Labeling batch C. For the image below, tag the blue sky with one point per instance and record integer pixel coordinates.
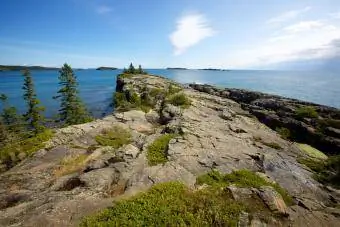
(154, 33)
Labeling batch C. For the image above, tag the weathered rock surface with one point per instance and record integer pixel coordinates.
(215, 132)
(322, 132)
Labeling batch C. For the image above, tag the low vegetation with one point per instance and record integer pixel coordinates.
(171, 204)
(284, 133)
(71, 164)
(157, 151)
(241, 178)
(179, 99)
(325, 171)
(115, 137)
(306, 112)
(268, 144)
(14, 152)
(311, 151)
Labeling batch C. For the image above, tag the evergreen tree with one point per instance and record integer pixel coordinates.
(140, 70)
(33, 116)
(131, 69)
(9, 117)
(72, 110)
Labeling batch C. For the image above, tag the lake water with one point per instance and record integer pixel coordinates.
(96, 87)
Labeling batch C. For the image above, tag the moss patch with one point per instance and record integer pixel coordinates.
(115, 137)
(171, 204)
(241, 178)
(311, 151)
(157, 151)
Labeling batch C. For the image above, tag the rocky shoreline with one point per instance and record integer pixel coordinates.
(81, 171)
(321, 131)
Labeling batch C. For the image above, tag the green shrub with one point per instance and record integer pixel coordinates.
(306, 112)
(284, 133)
(9, 153)
(241, 178)
(157, 151)
(173, 89)
(119, 100)
(115, 137)
(325, 171)
(171, 204)
(179, 99)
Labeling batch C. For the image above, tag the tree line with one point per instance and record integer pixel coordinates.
(14, 126)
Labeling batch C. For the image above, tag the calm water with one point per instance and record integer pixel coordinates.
(96, 87)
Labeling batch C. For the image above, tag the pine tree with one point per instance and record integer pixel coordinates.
(9, 117)
(72, 110)
(33, 116)
(10, 120)
(140, 70)
(131, 69)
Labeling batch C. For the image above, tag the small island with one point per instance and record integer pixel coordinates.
(106, 68)
(176, 68)
(213, 69)
(24, 67)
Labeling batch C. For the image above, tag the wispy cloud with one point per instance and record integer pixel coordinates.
(103, 9)
(304, 26)
(286, 16)
(301, 41)
(190, 30)
(335, 15)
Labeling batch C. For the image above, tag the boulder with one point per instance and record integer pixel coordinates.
(170, 112)
(152, 117)
(67, 183)
(239, 193)
(273, 200)
(100, 179)
(227, 114)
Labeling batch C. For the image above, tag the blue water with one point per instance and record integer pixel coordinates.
(96, 87)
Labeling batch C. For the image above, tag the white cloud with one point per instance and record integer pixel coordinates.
(304, 26)
(190, 30)
(103, 9)
(286, 16)
(335, 15)
(308, 41)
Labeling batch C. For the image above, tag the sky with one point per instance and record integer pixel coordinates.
(235, 34)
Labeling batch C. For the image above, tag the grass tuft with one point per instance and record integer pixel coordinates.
(241, 178)
(71, 164)
(115, 137)
(157, 151)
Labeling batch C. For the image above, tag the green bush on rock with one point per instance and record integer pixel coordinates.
(179, 99)
(157, 151)
(306, 112)
(171, 204)
(241, 178)
(9, 153)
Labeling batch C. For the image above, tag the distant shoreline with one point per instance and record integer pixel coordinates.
(4, 68)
